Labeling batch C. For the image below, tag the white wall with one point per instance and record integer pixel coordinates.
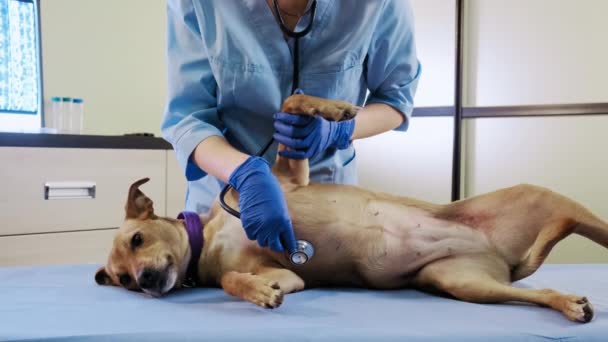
(112, 54)
(418, 163)
(435, 32)
(522, 52)
(561, 153)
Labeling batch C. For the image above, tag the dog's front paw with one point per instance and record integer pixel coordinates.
(329, 109)
(338, 110)
(267, 294)
(577, 309)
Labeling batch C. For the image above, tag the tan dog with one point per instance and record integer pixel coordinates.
(471, 249)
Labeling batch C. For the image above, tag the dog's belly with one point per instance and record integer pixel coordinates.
(362, 239)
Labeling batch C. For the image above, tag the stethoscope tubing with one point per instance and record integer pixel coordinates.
(294, 86)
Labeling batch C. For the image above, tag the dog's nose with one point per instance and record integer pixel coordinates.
(149, 279)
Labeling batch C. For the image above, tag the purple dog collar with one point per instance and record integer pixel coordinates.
(194, 228)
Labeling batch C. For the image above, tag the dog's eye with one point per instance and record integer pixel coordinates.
(136, 240)
(125, 279)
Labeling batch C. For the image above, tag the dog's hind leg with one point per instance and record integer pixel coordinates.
(484, 279)
(569, 217)
(524, 222)
(590, 226)
(548, 237)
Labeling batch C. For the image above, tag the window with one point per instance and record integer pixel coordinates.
(20, 75)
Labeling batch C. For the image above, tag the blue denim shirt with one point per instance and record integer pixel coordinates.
(230, 68)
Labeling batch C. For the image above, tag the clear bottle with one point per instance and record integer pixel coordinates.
(53, 119)
(77, 115)
(66, 115)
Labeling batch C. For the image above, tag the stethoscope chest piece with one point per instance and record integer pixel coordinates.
(303, 253)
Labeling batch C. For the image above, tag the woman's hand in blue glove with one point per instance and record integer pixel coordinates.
(308, 136)
(263, 207)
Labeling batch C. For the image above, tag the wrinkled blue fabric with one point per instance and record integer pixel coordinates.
(63, 303)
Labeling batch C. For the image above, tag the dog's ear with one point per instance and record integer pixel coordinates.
(139, 206)
(102, 277)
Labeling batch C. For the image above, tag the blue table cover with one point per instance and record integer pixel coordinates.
(64, 303)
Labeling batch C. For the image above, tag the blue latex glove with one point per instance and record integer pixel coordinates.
(262, 204)
(308, 136)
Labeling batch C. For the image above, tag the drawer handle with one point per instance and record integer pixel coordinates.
(69, 190)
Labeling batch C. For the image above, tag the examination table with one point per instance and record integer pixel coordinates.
(64, 303)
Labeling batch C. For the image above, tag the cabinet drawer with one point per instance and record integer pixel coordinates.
(56, 248)
(25, 171)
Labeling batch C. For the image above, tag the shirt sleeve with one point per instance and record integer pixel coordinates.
(392, 64)
(191, 113)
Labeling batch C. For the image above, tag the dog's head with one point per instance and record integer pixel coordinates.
(149, 252)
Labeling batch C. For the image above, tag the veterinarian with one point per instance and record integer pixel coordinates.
(230, 66)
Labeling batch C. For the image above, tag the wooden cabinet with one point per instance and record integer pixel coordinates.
(63, 205)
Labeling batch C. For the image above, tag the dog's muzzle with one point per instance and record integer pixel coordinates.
(152, 281)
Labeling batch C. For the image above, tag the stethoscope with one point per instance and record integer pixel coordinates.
(304, 249)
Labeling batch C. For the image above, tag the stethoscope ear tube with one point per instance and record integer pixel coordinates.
(296, 36)
(293, 34)
(304, 249)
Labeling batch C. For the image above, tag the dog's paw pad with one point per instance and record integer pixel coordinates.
(350, 112)
(273, 300)
(578, 309)
(276, 300)
(588, 313)
(267, 295)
